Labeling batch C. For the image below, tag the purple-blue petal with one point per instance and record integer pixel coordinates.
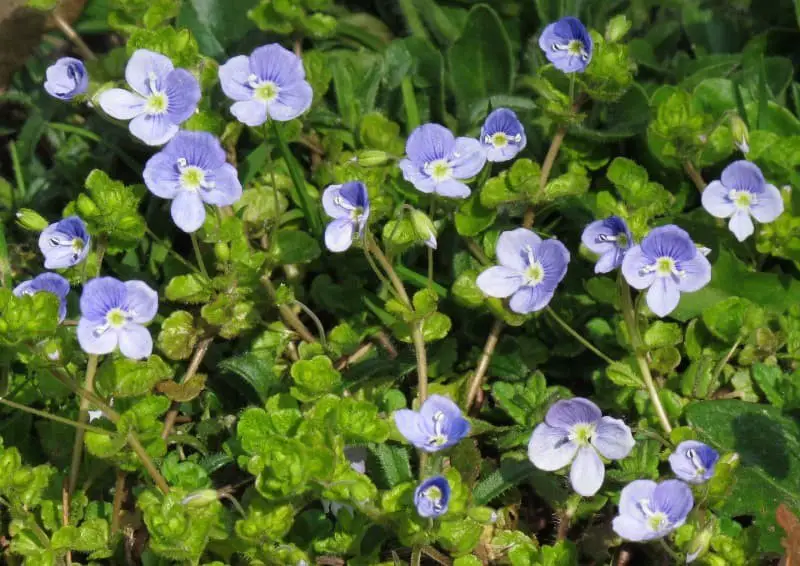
(277, 64)
(743, 176)
(673, 498)
(409, 424)
(183, 94)
(511, 248)
(555, 39)
(467, 159)
(530, 299)
(567, 413)
(693, 461)
(146, 67)
(668, 241)
(429, 142)
(100, 295)
(234, 78)
(554, 258)
(292, 101)
(48, 283)
(426, 506)
(66, 78)
(141, 301)
(634, 268)
(56, 243)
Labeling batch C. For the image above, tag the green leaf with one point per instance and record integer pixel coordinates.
(255, 371)
(514, 468)
(180, 46)
(216, 24)
(481, 61)
(191, 288)
(473, 218)
(184, 391)
(733, 317)
(625, 374)
(178, 336)
(394, 463)
(780, 389)
(313, 378)
(293, 246)
(768, 445)
(111, 208)
(662, 334)
(123, 377)
(91, 536)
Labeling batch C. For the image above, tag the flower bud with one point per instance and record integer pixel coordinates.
(200, 498)
(31, 220)
(698, 546)
(741, 136)
(371, 157)
(617, 27)
(424, 227)
(484, 515)
(222, 251)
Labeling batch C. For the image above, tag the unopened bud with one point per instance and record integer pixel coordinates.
(617, 27)
(371, 157)
(698, 546)
(484, 515)
(222, 251)
(741, 137)
(200, 498)
(424, 227)
(31, 220)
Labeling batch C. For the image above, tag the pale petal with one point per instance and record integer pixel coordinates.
(234, 78)
(631, 496)
(633, 269)
(227, 188)
(587, 472)
(121, 104)
(499, 281)
(769, 205)
(613, 438)
(91, 343)
(161, 176)
(696, 274)
(566, 413)
(188, 211)
(339, 235)
(468, 158)
(550, 449)
(631, 529)
(293, 100)
(716, 202)
(530, 299)
(142, 302)
(450, 188)
(135, 342)
(663, 296)
(250, 112)
(511, 249)
(409, 423)
(741, 225)
(145, 65)
(153, 129)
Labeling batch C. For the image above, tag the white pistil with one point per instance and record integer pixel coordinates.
(437, 438)
(693, 457)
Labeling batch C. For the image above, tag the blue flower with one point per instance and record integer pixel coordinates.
(348, 205)
(164, 97)
(112, 313)
(567, 45)
(740, 194)
(432, 497)
(66, 78)
(650, 510)
(529, 272)
(437, 161)
(693, 461)
(502, 135)
(64, 243)
(610, 239)
(191, 170)
(438, 424)
(575, 431)
(668, 263)
(270, 83)
(49, 283)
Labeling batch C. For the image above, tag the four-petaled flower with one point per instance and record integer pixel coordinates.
(668, 262)
(438, 424)
(165, 97)
(650, 510)
(270, 83)
(432, 497)
(112, 313)
(567, 45)
(610, 239)
(437, 161)
(191, 170)
(64, 243)
(575, 431)
(502, 135)
(66, 78)
(48, 283)
(694, 461)
(529, 272)
(348, 205)
(741, 193)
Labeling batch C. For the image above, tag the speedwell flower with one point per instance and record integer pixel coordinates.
(575, 431)
(191, 170)
(348, 205)
(529, 272)
(66, 78)
(502, 135)
(165, 97)
(610, 239)
(668, 262)
(270, 83)
(438, 424)
(432, 497)
(567, 45)
(112, 313)
(693, 461)
(49, 283)
(650, 510)
(64, 243)
(438, 161)
(741, 193)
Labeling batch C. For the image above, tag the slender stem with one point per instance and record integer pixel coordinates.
(288, 315)
(19, 177)
(198, 255)
(147, 462)
(56, 418)
(119, 499)
(413, 19)
(317, 322)
(376, 271)
(674, 555)
(633, 329)
(476, 251)
(483, 363)
(416, 328)
(171, 251)
(694, 175)
(410, 104)
(83, 418)
(431, 213)
(275, 200)
(564, 520)
(65, 515)
(572, 88)
(73, 36)
(416, 556)
(437, 556)
(726, 359)
(194, 365)
(589, 346)
(547, 166)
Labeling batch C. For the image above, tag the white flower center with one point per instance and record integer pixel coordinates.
(664, 266)
(356, 212)
(694, 458)
(440, 170)
(574, 48)
(115, 318)
(156, 102)
(743, 200)
(265, 91)
(656, 521)
(437, 438)
(193, 178)
(434, 495)
(534, 273)
(582, 433)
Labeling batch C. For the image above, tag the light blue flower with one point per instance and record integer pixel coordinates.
(693, 461)
(48, 283)
(610, 239)
(567, 45)
(64, 243)
(650, 510)
(348, 205)
(502, 135)
(432, 497)
(439, 424)
(66, 78)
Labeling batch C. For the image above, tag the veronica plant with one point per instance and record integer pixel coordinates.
(348, 205)
(66, 78)
(432, 497)
(567, 45)
(650, 510)
(64, 243)
(694, 461)
(47, 283)
(437, 425)
(502, 135)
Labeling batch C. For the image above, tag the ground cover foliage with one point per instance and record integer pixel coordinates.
(408, 282)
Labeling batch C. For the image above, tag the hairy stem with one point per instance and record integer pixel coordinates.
(483, 363)
(694, 175)
(147, 462)
(56, 418)
(198, 255)
(572, 332)
(289, 317)
(83, 418)
(547, 166)
(73, 36)
(416, 556)
(629, 314)
(119, 499)
(194, 365)
(316, 320)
